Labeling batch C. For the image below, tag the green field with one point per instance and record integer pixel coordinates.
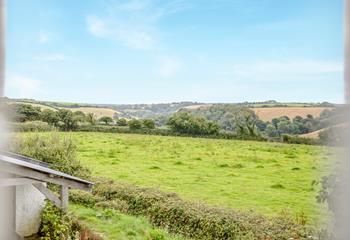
(113, 225)
(266, 177)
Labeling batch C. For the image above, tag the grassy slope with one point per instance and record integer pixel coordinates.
(267, 177)
(113, 225)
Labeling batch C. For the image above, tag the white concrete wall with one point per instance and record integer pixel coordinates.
(7, 209)
(29, 205)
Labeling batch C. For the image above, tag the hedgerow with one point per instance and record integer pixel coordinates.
(164, 132)
(57, 225)
(34, 126)
(195, 220)
(59, 152)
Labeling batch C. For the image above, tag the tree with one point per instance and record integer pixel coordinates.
(50, 116)
(246, 121)
(122, 122)
(185, 123)
(105, 119)
(26, 112)
(148, 123)
(134, 124)
(271, 131)
(80, 116)
(261, 125)
(90, 118)
(67, 120)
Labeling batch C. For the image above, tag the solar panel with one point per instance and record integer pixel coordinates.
(23, 158)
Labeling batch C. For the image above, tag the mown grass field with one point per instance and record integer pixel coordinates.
(265, 177)
(113, 225)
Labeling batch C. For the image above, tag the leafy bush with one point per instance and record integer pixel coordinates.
(55, 225)
(35, 126)
(25, 112)
(58, 152)
(134, 124)
(106, 120)
(122, 122)
(186, 123)
(148, 123)
(116, 204)
(50, 116)
(198, 221)
(84, 198)
(298, 140)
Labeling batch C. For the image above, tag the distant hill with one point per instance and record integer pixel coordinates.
(265, 110)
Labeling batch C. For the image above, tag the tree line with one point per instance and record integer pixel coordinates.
(67, 120)
(218, 119)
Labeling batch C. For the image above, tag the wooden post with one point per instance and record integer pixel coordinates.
(64, 197)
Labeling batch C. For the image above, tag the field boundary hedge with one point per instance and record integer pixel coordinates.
(190, 219)
(164, 132)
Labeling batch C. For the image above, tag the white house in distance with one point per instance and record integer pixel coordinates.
(23, 191)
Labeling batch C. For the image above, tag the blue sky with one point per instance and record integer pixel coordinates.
(150, 51)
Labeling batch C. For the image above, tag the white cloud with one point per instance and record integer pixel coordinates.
(43, 38)
(294, 70)
(51, 57)
(133, 23)
(23, 87)
(130, 35)
(96, 27)
(169, 67)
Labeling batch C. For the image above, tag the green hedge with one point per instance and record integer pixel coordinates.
(163, 132)
(299, 140)
(195, 220)
(35, 126)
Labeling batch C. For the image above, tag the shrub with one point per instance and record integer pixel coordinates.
(298, 140)
(134, 124)
(84, 198)
(59, 152)
(55, 225)
(116, 204)
(49, 116)
(186, 123)
(35, 126)
(148, 123)
(122, 122)
(198, 221)
(106, 120)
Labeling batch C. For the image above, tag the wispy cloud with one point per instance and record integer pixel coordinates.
(291, 70)
(169, 67)
(51, 57)
(133, 23)
(23, 86)
(132, 36)
(43, 38)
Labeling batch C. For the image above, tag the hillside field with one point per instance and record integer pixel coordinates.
(265, 177)
(267, 114)
(98, 112)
